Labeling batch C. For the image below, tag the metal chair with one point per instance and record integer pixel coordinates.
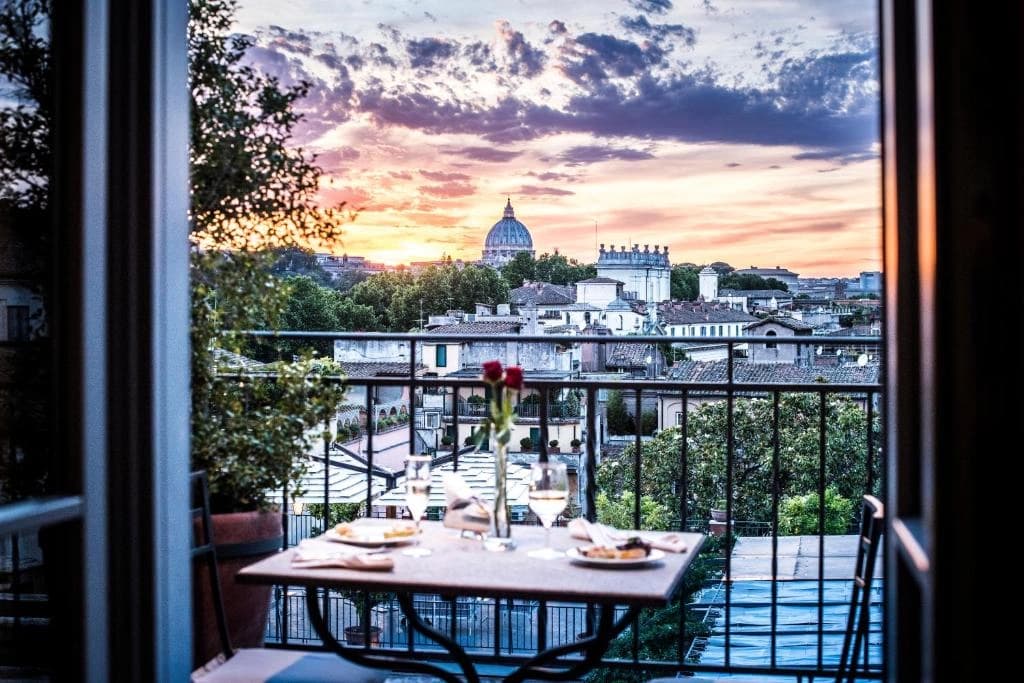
(859, 619)
(257, 664)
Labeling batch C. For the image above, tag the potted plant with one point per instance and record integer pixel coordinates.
(469, 440)
(250, 431)
(446, 440)
(526, 443)
(553, 446)
(363, 602)
(251, 435)
(575, 443)
(718, 512)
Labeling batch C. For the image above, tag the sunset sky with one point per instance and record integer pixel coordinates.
(744, 132)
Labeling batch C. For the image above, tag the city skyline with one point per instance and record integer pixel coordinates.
(729, 131)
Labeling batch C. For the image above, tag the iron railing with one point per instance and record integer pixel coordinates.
(724, 618)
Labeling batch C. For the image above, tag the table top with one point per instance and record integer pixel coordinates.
(461, 566)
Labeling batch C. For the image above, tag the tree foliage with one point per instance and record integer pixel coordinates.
(252, 188)
(553, 268)
(845, 455)
(685, 283)
(747, 282)
(251, 191)
(398, 298)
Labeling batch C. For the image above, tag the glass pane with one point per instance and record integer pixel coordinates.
(28, 278)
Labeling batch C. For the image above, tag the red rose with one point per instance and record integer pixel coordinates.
(492, 371)
(514, 377)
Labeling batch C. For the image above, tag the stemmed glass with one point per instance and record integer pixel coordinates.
(549, 493)
(417, 495)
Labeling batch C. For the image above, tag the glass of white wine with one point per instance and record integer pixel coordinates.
(417, 496)
(549, 493)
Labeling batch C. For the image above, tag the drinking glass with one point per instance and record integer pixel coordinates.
(417, 496)
(549, 493)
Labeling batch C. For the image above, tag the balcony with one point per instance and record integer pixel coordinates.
(768, 598)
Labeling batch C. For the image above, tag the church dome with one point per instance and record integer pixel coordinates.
(506, 238)
(509, 232)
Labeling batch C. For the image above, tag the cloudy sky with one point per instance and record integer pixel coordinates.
(737, 131)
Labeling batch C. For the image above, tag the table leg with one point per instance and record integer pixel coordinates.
(593, 648)
(454, 649)
(364, 657)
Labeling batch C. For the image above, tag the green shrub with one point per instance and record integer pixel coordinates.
(526, 443)
(798, 515)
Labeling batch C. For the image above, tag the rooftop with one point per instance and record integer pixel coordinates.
(717, 371)
(757, 293)
(478, 328)
(628, 356)
(690, 312)
(542, 294)
(797, 326)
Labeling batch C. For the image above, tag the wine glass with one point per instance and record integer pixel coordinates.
(549, 493)
(417, 495)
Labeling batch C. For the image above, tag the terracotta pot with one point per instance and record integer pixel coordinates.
(354, 635)
(241, 539)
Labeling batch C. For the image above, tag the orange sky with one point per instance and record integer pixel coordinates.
(743, 132)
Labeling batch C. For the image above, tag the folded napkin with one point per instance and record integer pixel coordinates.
(465, 510)
(310, 555)
(604, 535)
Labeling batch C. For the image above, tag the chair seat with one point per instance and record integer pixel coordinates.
(287, 666)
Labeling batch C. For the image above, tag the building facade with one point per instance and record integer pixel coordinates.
(645, 275)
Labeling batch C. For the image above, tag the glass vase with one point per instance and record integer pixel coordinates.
(500, 538)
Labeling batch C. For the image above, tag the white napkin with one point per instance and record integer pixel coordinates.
(310, 554)
(604, 535)
(465, 510)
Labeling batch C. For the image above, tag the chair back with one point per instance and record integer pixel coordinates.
(203, 549)
(859, 620)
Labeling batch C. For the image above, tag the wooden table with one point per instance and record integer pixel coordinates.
(461, 567)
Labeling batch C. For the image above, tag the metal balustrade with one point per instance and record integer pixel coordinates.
(503, 631)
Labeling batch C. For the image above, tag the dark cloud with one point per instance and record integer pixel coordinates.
(549, 176)
(709, 7)
(733, 164)
(651, 6)
(332, 61)
(335, 158)
(823, 102)
(480, 55)
(592, 154)
(539, 191)
(526, 60)
(401, 175)
(430, 16)
(557, 27)
(378, 54)
(594, 57)
(640, 24)
(391, 32)
(448, 190)
(442, 176)
(484, 154)
(843, 159)
(429, 52)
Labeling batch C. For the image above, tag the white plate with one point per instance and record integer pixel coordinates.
(576, 556)
(369, 536)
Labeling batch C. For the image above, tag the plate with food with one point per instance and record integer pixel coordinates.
(633, 552)
(373, 535)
